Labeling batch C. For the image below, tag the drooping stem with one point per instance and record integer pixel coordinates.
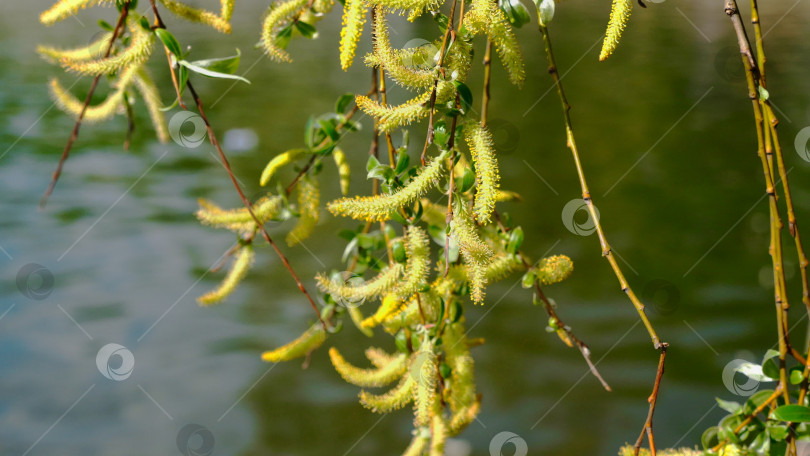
(74, 135)
(647, 429)
(586, 195)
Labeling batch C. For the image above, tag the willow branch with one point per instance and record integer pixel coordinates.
(75, 133)
(586, 195)
(647, 429)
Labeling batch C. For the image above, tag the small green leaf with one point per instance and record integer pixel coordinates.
(347, 234)
(441, 20)
(306, 30)
(227, 65)
(796, 375)
(169, 41)
(763, 93)
(545, 11)
(515, 240)
(283, 36)
(527, 281)
(467, 181)
(143, 21)
(398, 250)
(770, 365)
(709, 438)
(209, 73)
(729, 406)
(105, 25)
(465, 95)
(343, 103)
(517, 14)
(372, 163)
(777, 431)
(792, 413)
(403, 159)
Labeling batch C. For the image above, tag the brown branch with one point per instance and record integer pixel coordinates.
(75, 133)
(647, 429)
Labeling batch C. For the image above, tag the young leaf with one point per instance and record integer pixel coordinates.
(227, 65)
(211, 74)
(169, 41)
(792, 413)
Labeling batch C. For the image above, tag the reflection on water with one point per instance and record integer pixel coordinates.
(665, 132)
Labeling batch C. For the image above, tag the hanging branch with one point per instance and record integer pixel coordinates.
(606, 250)
(647, 429)
(75, 133)
(224, 159)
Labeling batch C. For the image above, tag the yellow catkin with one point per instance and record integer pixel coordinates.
(411, 312)
(357, 319)
(309, 205)
(553, 269)
(241, 265)
(460, 391)
(390, 304)
(354, 17)
(486, 17)
(379, 357)
(619, 15)
(390, 117)
(219, 23)
(279, 14)
(65, 101)
(239, 220)
(479, 140)
(439, 435)
(381, 376)
(507, 195)
(137, 53)
(628, 450)
(391, 61)
(66, 8)
(310, 340)
(380, 207)
(151, 98)
(477, 255)
(395, 399)
(417, 267)
(226, 10)
(424, 368)
(419, 443)
(344, 171)
(350, 292)
(277, 162)
(501, 266)
(91, 51)
(461, 419)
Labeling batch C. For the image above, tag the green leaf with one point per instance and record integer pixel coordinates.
(515, 240)
(306, 30)
(516, 12)
(465, 95)
(143, 21)
(770, 365)
(210, 73)
(796, 375)
(467, 181)
(792, 413)
(169, 41)
(442, 21)
(347, 234)
(105, 25)
(283, 36)
(343, 103)
(763, 93)
(756, 400)
(709, 438)
(777, 431)
(227, 65)
(372, 163)
(403, 159)
(545, 11)
(729, 406)
(527, 281)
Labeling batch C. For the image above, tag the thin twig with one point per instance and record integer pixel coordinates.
(75, 133)
(647, 429)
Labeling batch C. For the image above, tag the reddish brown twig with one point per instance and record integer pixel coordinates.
(647, 429)
(75, 133)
